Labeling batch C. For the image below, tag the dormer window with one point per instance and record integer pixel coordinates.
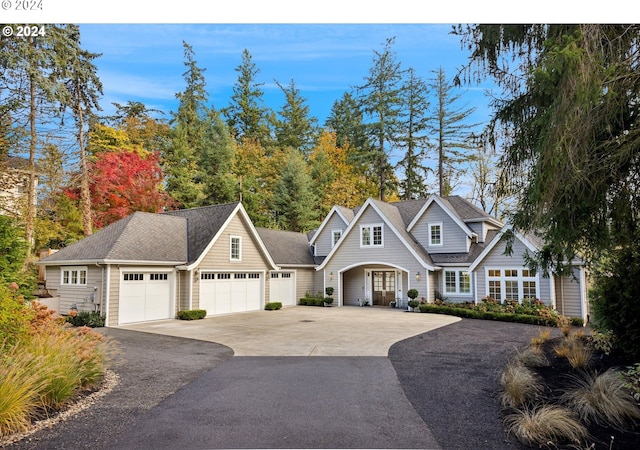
(371, 236)
(435, 234)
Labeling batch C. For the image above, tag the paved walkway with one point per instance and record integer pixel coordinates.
(304, 330)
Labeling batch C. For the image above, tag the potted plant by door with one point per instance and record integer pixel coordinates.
(413, 303)
(328, 300)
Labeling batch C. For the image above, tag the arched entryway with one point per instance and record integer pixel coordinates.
(374, 284)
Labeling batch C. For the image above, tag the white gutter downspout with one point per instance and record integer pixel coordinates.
(106, 296)
(189, 272)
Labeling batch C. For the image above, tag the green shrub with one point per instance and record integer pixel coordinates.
(577, 321)
(272, 306)
(312, 301)
(329, 290)
(91, 319)
(15, 316)
(412, 293)
(632, 378)
(614, 299)
(192, 314)
(328, 300)
(481, 313)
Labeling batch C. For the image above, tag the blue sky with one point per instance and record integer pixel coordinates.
(144, 62)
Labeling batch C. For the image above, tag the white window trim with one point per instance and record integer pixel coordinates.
(519, 278)
(371, 227)
(71, 269)
(239, 258)
(438, 224)
(333, 237)
(457, 292)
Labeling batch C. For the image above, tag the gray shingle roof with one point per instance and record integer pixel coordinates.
(287, 247)
(203, 224)
(464, 258)
(139, 237)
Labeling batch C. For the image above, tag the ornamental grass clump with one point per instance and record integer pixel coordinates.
(602, 399)
(46, 367)
(533, 356)
(546, 425)
(519, 385)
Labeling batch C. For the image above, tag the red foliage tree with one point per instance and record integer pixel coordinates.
(124, 182)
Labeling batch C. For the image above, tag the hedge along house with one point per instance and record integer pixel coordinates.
(149, 266)
(441, 246)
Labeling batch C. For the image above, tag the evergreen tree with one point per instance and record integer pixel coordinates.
(346, 120)
(414, 124)
(83, 88)
(295, 128)
(570, 112)
(293, 197)
(381, 103)
(198, 158)
(453, 133)
(246, 116)
(31, 96)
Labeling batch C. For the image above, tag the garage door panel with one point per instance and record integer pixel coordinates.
(224, 293)
(283, 288)
(145, 296)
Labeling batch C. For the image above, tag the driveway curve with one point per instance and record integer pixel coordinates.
(435, 389)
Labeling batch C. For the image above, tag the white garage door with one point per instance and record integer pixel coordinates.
(145, 296)
(283, 288)
(228, 292)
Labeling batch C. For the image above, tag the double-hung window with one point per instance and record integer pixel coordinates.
(371, 236)
(435, 234)
(457, 282)
(235, 253)
(74, 276)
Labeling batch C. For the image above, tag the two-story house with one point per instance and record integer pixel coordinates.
(149, 266)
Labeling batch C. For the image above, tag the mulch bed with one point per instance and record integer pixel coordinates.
(557, 378)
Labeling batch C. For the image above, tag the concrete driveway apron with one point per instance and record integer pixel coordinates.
(271, 394)
(304, 330)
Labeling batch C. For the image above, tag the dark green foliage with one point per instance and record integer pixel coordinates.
(91, 319)
(412, 293)
(488, 315)
(312, 301)
(295, 128)
(192, 314)
(329, 290)
(294, 200)
(615, 302)
(272, 306)
(13, 253)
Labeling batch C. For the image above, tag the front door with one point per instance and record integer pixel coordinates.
(384, 287)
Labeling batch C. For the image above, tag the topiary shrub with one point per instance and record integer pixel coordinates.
(192, 314)
(272, 306)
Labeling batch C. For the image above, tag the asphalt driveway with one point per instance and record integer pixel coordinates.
(436, 389)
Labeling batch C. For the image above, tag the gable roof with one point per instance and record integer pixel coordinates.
(207, 223)
(393, 219)
(498, 238)
(140, 238)
(343, 212)
(287, 248)
(448, 208)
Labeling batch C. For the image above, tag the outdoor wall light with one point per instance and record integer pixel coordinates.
(417, 276)
(331, 276)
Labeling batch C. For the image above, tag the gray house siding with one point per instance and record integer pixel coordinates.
(324, 242)
(80, 296)
(393, 255)
(454, 239)
(496, 259)
(569, 293)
